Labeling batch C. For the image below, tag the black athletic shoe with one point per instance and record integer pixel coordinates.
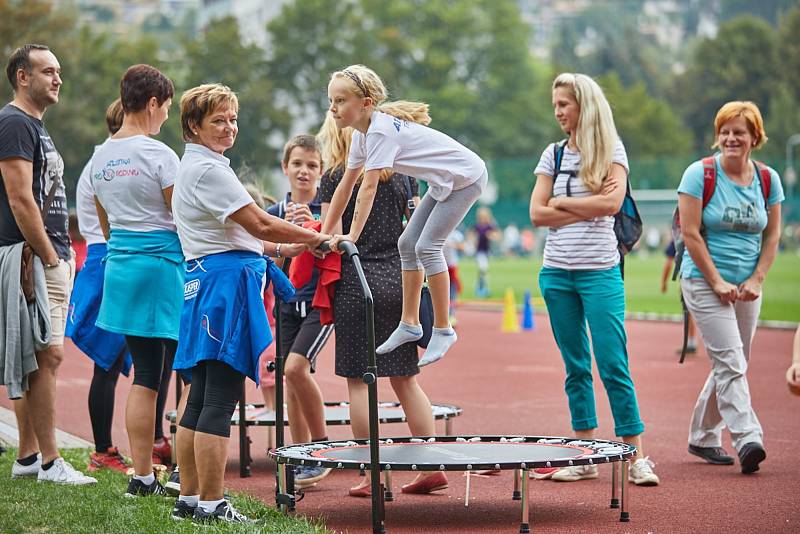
(173, 485)
(712, 455)
(750, 455)
(137, 488)
(183, 510)
(224, 512)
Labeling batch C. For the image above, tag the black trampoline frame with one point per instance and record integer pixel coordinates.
(285, 498)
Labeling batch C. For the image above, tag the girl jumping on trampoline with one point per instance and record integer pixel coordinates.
(581, 279)
(394, 137)
(380, 260)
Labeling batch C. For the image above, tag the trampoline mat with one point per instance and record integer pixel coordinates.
(336, 413)
(458, 453)
(455, 453)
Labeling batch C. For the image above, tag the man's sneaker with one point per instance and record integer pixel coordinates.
(542, 473)
(223, 512)
(162, 452)
(183, 510)
(173, 485)
(137, 488)
(61, 472)
(575, 472)
(111, 459)
(750, 455)
(641, 473)
(305, 476)
(712, 455)
(21, 471)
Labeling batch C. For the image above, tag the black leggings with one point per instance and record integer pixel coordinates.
(216, 388)
(101, 400)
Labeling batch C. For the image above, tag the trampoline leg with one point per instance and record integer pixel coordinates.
(614, 490)
(516, 496)
(624, 516)
(525, 526)
(448, 426)
(388, 496)
(281, 490)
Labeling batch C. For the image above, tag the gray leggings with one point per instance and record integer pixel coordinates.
(423, 239)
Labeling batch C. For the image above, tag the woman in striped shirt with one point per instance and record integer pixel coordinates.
(580, 185)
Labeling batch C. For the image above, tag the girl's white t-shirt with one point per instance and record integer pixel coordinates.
(585, 245)
(415, 150)
(129, 176)
(88, 222)
(206, 194)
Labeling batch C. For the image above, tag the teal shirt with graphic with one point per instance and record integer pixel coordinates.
(733, 220)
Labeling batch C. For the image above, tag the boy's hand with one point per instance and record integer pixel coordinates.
(298, 213)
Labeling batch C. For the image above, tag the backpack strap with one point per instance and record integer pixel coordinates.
(765, 182)
(409, 195)
(709, 179)
(558, 155)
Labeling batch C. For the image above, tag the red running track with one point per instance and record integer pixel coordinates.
(513, 384)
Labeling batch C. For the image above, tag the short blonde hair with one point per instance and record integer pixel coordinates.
(749, 112)
(200, 101)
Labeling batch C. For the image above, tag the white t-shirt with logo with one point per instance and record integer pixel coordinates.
(88, 222)
(206, 193)
(415, 150)
(129, 176)
(585, 245)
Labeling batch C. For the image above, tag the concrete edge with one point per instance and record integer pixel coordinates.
(9, 436)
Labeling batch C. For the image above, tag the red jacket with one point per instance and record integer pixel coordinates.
(330, 270)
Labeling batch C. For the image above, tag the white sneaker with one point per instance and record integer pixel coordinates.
(641, 473)
(575, 472)
(61, 472)
(20, 471)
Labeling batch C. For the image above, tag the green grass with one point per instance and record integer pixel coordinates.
(642, 284)
(29, 507)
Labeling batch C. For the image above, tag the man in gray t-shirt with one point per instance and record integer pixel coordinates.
(31, 168)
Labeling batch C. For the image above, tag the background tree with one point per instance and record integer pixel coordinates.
(740, 63)
(218, 55)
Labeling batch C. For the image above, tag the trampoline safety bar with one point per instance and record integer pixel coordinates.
(472, 453)
(520, 453)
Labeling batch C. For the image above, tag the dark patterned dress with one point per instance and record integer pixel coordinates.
(380, 259)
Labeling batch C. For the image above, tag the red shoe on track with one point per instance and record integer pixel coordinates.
(111, 459)
(162, 452)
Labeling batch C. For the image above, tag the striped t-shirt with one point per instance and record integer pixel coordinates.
(584, 245)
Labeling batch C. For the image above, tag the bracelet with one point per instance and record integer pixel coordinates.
(52, 265)
(278, 251)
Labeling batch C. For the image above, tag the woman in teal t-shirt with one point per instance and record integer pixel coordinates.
(730, 246)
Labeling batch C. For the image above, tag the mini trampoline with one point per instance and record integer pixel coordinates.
(336, 413)
(447, 453)
(470, 453)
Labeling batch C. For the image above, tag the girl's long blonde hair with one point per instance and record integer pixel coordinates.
(364, 82)
(335, 146)
(596, 135)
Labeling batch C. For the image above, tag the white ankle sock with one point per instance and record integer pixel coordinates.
(210, 506)
(191, 500)
(404, 333)
(441, 340)
(147, 479)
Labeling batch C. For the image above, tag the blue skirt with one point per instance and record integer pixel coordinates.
(223, 314)
(101, 346)
(143, 284)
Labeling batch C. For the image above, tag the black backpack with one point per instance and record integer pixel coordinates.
(627, 221)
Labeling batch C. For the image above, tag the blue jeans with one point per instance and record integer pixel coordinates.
(573, 298)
